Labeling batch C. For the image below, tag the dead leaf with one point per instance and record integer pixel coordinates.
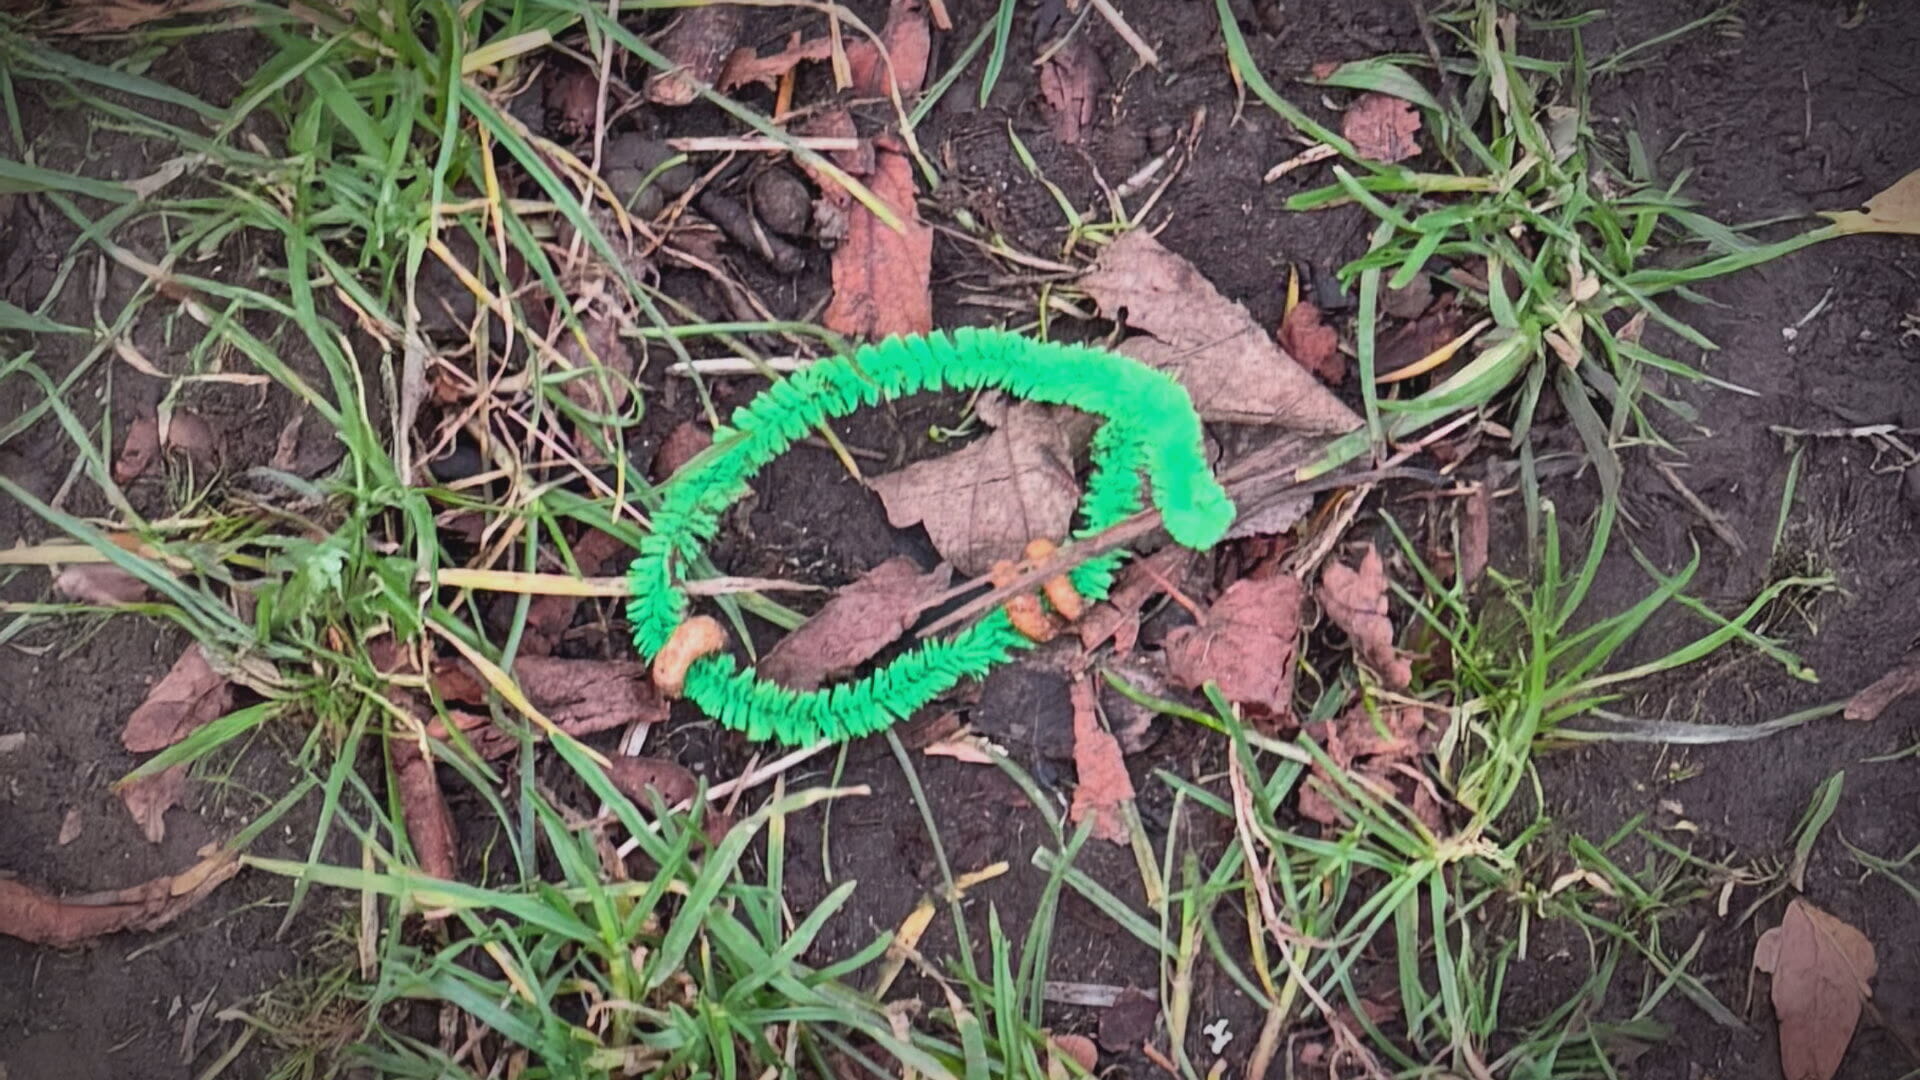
(678, 448)
(1128, 1022)
(100, 584)
(1901, 680)
(1382, 127)
(39, 918)
(1356, 600)
(430, 829)
(697, 46)
(1822, 972)
(1229, 365)
(139, 449)
(1313, 344)
(189, 695)
(1071, 82)
(548, 617)
(1895, 210)
(1118, 617)
(1245, 645)
(907, 39)
(71, 827)
(148, 800)
(852, 628)
(880, 275)
(746, 67)
(1104, 789)
(984, 502)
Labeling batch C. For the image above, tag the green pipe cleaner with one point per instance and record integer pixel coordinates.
(1151, 428)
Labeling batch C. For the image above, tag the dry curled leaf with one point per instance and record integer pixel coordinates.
(39, 918)
(852, 628)
(697, 47)
(1228, 364)
(1244, 644)
(1822, 972)
(880, 274)
(149, 798)
(1313, 344)
(1356, 600)
(985, 501)
(699, 636)
(1382, 127)
(1104, 789)
(189, 695)
(100, 584)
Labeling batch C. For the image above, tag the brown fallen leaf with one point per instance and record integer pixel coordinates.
(1382, 127)
(1104, 789)
(1118, 617)
(1313, 343)
(1228, 364)
(139, 449)
(880, 275)
(1822, 972)
(423, 806)
(690, 437)
(548, 617)
(697, 46)
(984, 502)
(1902, 679)
(1244, 644)
(907, 39)
(149, 798)
(655, 782)
(189, 695)
(100, 584)
(862, 619)
(746, 67)
(1356, 600)
(39, 918)
(1071, 82)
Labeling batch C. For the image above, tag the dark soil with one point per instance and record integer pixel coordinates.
(1794, 113)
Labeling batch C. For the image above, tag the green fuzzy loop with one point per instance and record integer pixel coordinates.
(1151, 430)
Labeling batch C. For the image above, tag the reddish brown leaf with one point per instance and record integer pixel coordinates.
(1822, 972)
(1118, 617)
(1313, 344)
(746, 67)
(429, 823)
(987, 500)
(149, 799)
(1245, 644)
(1230, 366)
(880, 275)
(1071, 82)
(907, 40)
(1356, 600)
(189, 695)
(1903, 679)
(697, 46)
(862, 619)
(139, 449)
(39, 918)
(1382, 127)
(678, 448)
(1104, 789)
(100, 584)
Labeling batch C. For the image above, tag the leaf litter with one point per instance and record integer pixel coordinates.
(987, 500)
(856, 624)
(1230, 366)
(1822, 972)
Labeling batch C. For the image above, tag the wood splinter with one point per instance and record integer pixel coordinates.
(699, 636)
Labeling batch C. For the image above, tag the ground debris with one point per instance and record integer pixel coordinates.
(1230, 366)
(987, 500)
(862, 619)
(1822, 972)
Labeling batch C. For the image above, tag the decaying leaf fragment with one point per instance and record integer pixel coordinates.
(1822, 972)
